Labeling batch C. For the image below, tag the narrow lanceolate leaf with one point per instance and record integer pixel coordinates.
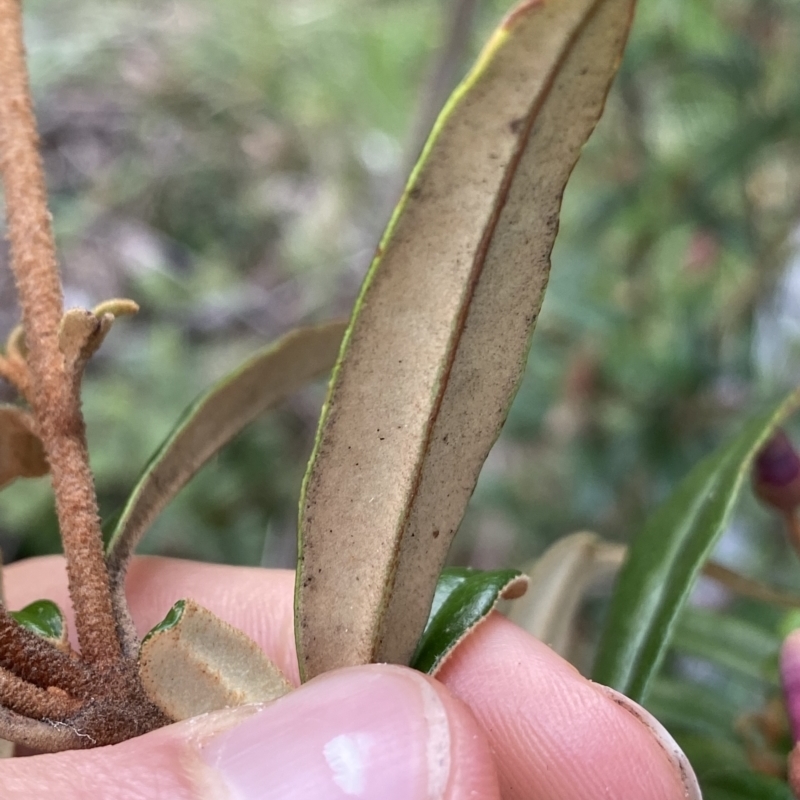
(21, 451)
(194, 662)
(262, 382)
(441, 331)
(462, 600)
(666, 557)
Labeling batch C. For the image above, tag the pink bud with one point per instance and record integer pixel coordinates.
(790, 678)
(776, 474)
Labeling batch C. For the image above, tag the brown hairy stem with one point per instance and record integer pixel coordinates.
(55, 404)
(37, 661)
(47, 735)
(31, 701)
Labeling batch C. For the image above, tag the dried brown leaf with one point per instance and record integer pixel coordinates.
(21, 452)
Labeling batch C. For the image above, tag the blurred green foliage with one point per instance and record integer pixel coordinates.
(230, 165)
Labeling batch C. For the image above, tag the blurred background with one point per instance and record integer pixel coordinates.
(230, 166)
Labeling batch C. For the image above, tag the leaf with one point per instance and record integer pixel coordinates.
(559, 580)
(21, 452)
(45, 619)
(463, 599)
(666, 557)
(193, 662)
(441, 331)
(262, 382)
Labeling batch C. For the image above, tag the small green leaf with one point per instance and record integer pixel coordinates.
(43, 617)
(463, 599)
(666, 557)
(170, 621)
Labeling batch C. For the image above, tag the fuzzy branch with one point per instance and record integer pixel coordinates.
(58, 413)
(37, 661)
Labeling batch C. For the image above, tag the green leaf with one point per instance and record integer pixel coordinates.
(43, 617)
(666, 557)
(170, 621)
(441, 331)
(463, 599)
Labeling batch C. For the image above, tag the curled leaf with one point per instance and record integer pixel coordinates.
(21, 451)
(439, 338)
(261, 383)
(463, 599)
(82, 332)
(211, 421)
(118, 307)
(559, 580)
(194, 662)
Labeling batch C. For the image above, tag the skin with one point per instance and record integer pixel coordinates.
(524, 724)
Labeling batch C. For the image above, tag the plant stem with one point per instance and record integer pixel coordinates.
(33, 261)
(31, 701)
(35, 660)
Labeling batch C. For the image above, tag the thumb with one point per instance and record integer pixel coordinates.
(375, 733)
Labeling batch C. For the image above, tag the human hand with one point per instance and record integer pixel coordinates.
(507, 718)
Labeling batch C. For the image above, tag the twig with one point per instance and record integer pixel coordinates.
(62, 430)
(31, 701)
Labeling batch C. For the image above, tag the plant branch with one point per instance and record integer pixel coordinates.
(37, 661)
(33, 261)
(34, 702)
(46, 735)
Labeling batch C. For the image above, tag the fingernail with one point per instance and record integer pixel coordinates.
(691, 788)
(368, 732)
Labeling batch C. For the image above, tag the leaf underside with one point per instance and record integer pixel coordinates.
(262, 382)
(440, 334)
(194, 662)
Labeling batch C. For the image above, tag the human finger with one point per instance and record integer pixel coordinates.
(379, 732)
